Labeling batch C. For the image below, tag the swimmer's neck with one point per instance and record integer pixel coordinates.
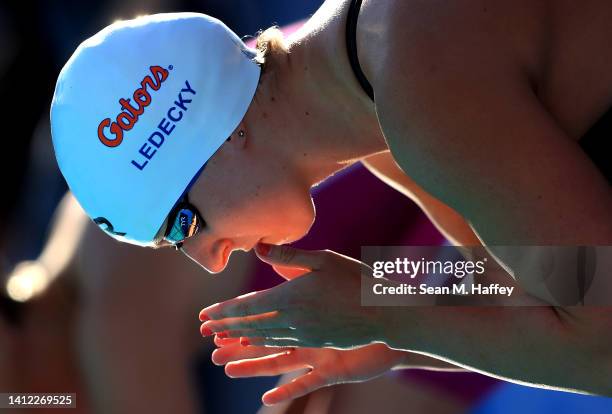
(313, 91)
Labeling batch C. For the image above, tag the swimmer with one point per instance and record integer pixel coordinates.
(479, 105)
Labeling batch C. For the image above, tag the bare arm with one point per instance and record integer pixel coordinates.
(466, 126)
(412, 360)
(448, 221)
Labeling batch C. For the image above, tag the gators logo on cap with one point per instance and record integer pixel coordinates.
(129, 114)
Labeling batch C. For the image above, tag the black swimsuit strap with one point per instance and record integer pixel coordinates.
(351, 47)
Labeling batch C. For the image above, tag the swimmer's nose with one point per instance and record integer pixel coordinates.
(212, 256)
(220, 252)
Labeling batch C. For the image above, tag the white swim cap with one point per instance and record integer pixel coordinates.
(138, 110)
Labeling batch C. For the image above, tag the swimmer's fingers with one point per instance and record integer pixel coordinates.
(253, 303)
(263, 321)
(222, 341)
(262, 341)
(287, 256)
(237, 352)
(297, 388)
(271, 365)
(291, 263)
(246, 334)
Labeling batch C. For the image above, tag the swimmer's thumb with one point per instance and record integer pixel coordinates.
(289, 272)
(288, 261)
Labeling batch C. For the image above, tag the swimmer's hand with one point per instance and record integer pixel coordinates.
(322, 308)
(325, 366)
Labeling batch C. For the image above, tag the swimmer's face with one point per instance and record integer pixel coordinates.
(247, 193)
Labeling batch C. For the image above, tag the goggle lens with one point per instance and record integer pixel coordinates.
(186, 224)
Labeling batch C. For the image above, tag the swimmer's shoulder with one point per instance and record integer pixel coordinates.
(433, 64)
(455, 102)
(398, 38)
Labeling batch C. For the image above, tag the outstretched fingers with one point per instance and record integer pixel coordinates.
(261, 341)
(297, 388)
(271, 365)
(269, 320)
(238, 352)
(253, 303)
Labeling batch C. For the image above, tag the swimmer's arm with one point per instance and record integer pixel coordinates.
(447, 221)
(462, 120)
(529, 346)
(412, 360)
(465, 124)
(450, 223)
